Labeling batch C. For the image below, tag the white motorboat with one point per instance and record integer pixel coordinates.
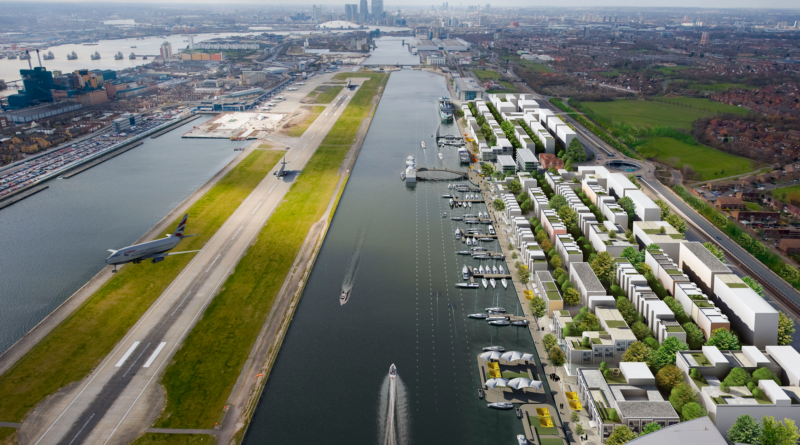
(403, 175)
(393, 371)
(469, 242)
(480, 316)
(504, 282)
(441, 156)
(422, 144)
(465, 272)
(451, 202)
(499, 323)
(457, 218)
(480, 269)
(502, 271)
(501, 405)
(520, 323)
(481, 256)
(444, 215)
(458, 233)
(493, 283)
(494, 348)
(468, 285)
(495, 309)
(469, 204)
(450, 186)
(464, 252)
(485, 283)
(521, 440)
(491, 317)
(494, 270)
(479, 249)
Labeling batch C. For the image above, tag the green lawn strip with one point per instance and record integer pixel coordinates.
(708, 162)
(718, 86)
(5, 432)
(87, 336)
(645, 112)
(201, 376)
(486, 75)
(786, 194)
(551, 441)
(298, 129)
(329, 94)
(706, 105)
(545, 430)
(175, 439)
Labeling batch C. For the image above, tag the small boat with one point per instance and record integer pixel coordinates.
(480, 393)
(451, 202)
(469, 204)
(469, 243)
(458, 233)
(450, 186)
(520, 323)
(493, 283)
(481, 316)
(480, 256)
(464, 252)
(501, 405)
(487, 239)
(344, 296)
(479, 249)
(500, 268)
(485, 283)
(444, 215)
(393, 371)
(494, 317)
(521, 440)
(422, 144)
(441, 156)
(457, 218)
(499, 323)
(468, 285)
(519, 415)
(494, 348)
(403, 175)
(504, 282)
(494, 270)
(480, 269)
(134, 46)
(465, 272)
(447, 196)
(495, 309)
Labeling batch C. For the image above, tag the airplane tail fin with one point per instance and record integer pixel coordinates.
(181, 227)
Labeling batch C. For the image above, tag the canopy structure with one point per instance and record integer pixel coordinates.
(521, 383)
(491, 355)
(492, 383)
(511, 356)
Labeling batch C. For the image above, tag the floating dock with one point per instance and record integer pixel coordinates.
(22, 195)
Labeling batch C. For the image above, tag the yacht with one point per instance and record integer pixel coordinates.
(494, 270)
(445, 110)
(450, 186)
(458, 233)
(521, 440)
(491, 231)
(479, 249)
(487, 239)
(485, 283)
(422, 144)
(504, 282)
(495, 317)
(465, 272)
(520, 323)
(344, 296)
(457, 218)
(469, 243)
(468, 285)
(480, 393)
(480, 269)
(502, 271)
(447, 196)
(480, 256)
(444, 215)
(451, 202)
(441, 156)
(469, 204)
(480, 316)
(493, 283)
(495, 309)
(393, 371)
(464, 252)
(501, 405)
(403, 175)
(494, 348)
(499, 323)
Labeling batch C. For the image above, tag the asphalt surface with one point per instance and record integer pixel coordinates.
(119, 400)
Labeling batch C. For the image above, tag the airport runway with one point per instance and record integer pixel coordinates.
(121, 398)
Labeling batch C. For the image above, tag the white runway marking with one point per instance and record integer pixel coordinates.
(137, 359)
(184, 299)
(212, 263)
(154, 355)
(80, 430)
(259, 204)
(237, 232)
(270, 190)
(127, 354)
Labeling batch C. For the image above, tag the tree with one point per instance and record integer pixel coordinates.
(765, 374)
(634, 256)
(755, 285)
(556, 202)
(568, 216)
(603, 266)
(789, 273)
(665, 354)
(499, 205)
(620, 435)
(575, 151)
(745, 429)
(665, 210)
(625, 307)
(778, 433)
(641, 331)
(558, 272)
(645, 270)
(637, 352)
(574, 417)
(487, 169)
(572, 297)
(628, 205)
(556, 356)
(785, 329)
(713, 248)
(650, 428)
(694, 335)
(681, 395)
(653, 246)
(668, 377)
(693, 410)
(549, 341)
(556, 261)
(737, 377)
(590, 322)
(676, 222)
(515, 186)
(537, 307)
(724, 340)
(579, 429)
(524, 274)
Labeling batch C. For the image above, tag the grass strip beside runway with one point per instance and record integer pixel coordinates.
(297, 130)
(329, 94)
(77, 345)
(203, 372)
(175, 439)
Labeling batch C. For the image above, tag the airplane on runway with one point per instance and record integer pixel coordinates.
(155, 250)
(281, 172)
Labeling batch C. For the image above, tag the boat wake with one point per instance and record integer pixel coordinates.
(394, 413)
(352, 268)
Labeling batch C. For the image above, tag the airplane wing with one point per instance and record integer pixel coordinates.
(160, 255)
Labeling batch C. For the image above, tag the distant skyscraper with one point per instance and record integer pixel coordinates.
(350, 12)
(377, 9)
(488, 7)
(364, 9)
(166, 50)
(704, 39)
(191, 42)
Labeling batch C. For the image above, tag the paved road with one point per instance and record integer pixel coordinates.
(119, 400)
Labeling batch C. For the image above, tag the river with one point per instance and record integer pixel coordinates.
(329, 383)
(56, 240)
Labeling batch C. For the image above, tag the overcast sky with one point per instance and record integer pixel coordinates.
(415, 4)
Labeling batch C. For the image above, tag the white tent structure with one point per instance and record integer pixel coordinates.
(521, 383)
(513, 356)
(492, 383)
(491, 355)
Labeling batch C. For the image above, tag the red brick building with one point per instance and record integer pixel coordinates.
(550, 160)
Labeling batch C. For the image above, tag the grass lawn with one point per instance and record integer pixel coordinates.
(672, 70)
(543, 431)
(299, 128)
(203, 372)
(707, 105)
(551, 441)
(620, 380)
(753, 206)
(486, 75)
(538, 67)
(175, 439)
(513, 375)
(651, 113)
(87, 336)
(265, 146)
(5, 432)
(706, 161)
(329, 94)
(717, 86)
(792, 193)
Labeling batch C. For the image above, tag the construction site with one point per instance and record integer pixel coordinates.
(238, 125)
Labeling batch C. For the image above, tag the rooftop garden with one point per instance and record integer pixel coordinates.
(616, 324)
(673, 272)
(534, 247)
(701, 359)
(674, 329)
(553, 295)
(676, 236)
(551, 285)
(608, 415)
(737, 285)
(597, 341)
(579, 347)
(564, 313)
